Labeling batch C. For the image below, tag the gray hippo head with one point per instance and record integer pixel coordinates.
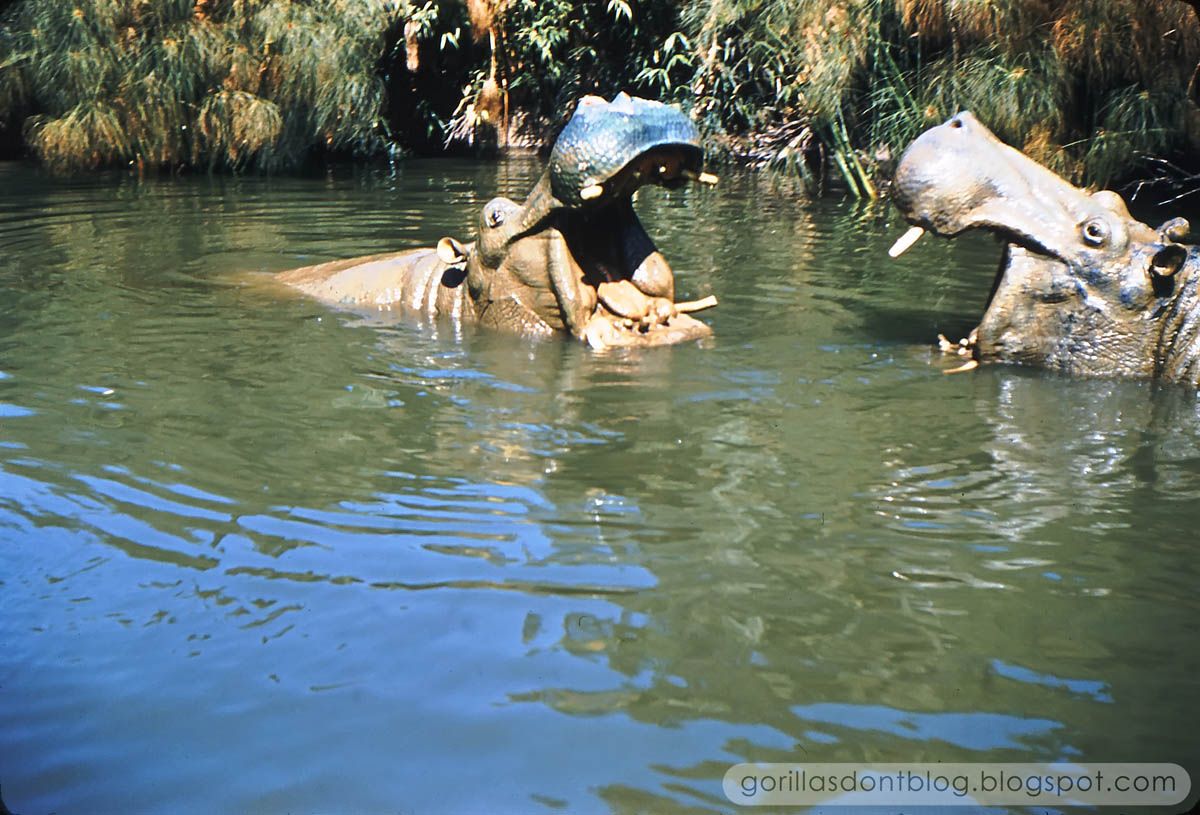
(573, 256)
(1083, 287)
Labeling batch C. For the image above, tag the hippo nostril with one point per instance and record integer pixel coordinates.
(956, 123)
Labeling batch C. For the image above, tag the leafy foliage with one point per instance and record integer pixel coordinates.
(229, 83)
(1085, 86)
(554, 51)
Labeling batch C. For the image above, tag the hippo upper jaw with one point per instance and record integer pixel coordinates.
(958, 176)
(608, 149)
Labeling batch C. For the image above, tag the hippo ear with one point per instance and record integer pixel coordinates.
(1175, 230)
(451, 252)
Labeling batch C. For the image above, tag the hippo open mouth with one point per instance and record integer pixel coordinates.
(572, 258)
(1083, 287)
(607, 152)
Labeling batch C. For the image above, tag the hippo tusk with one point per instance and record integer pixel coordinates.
(906, 242)
(969, 365)
(703, 178)
(695, 305)
(592, 191)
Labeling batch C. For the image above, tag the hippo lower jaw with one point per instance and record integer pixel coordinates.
(1047, 312)
(1041, 314)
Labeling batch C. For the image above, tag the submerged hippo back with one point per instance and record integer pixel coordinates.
(415, 280)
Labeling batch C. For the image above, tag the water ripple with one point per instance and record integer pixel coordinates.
(970, 730)
(228, 513)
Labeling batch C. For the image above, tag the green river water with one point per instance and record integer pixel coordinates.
(260, 557)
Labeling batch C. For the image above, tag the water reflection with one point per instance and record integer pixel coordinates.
(398, 565)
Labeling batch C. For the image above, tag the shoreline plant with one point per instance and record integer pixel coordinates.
(831, 90)
(208, 83)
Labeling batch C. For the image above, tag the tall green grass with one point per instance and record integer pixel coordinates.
(551, 52)
(1085, 86)
(829, 89)
(220, 83)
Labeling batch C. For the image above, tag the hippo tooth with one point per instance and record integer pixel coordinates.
(696, 305)
(969, 365)
(703, 178)
(594, 191)
(906, 242)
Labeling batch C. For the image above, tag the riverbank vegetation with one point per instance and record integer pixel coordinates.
(165, 83)
(824, 88)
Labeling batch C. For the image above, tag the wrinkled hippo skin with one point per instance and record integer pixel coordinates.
(572, 259)
(1083, 288)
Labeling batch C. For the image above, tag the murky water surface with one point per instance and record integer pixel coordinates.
(261, 557)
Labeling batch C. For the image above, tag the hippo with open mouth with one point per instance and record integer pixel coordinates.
(573, 259)
(1083, 288)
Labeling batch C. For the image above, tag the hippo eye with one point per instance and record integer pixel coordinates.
(494, 216)
(1095, 232)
